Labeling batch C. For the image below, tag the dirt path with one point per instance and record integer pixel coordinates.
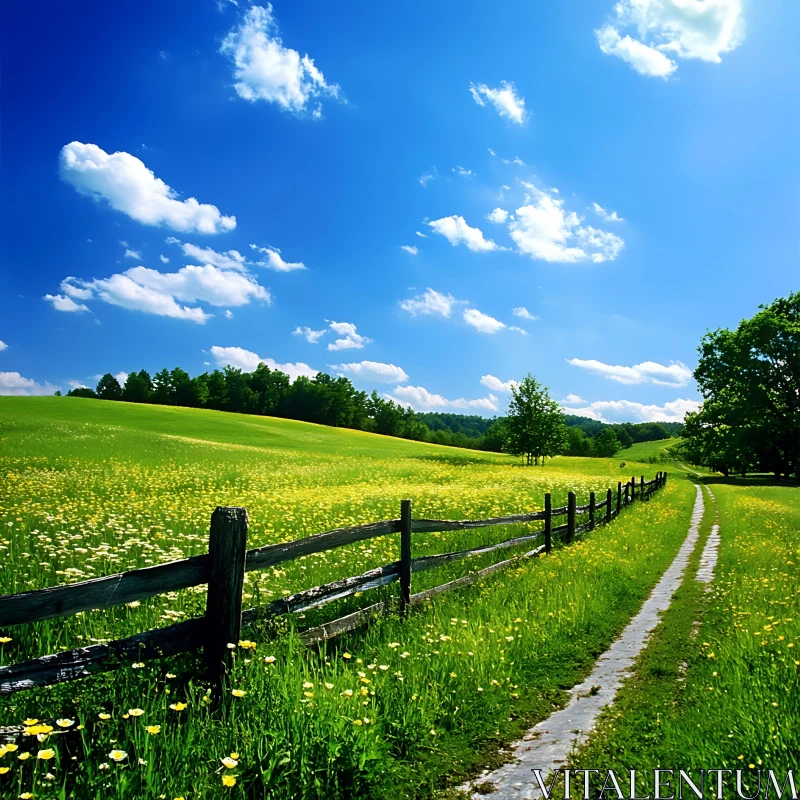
(547, 745)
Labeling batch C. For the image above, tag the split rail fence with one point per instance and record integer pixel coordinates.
(227, 561)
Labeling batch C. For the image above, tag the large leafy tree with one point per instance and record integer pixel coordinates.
(535, 422)
(750, 381)
(108, 388)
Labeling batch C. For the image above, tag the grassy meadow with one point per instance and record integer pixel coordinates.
(402, 709)
(718, 685)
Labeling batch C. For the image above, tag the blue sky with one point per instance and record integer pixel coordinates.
(282, 157)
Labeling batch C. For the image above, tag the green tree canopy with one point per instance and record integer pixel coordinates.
(535, 422)
(750, 381)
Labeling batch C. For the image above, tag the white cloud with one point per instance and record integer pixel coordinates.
(121, 378)
(482, 322)
(491, 152)
(571, 399)
(266, 70)
(3, 346)
(627, 411)
(62, 302)
(543, 229)
(644, 59)
(127, 185)
(496, 385)
(132, 254)
(228, 314)
(431, 302)
(12, 383)
(517, 329)
(231, 259)
(154, 292)
(309, 334)
(456, 231)
(247, 361)
(504, 99)
(422, 235)
(676, 374)
(275, 261)
(373, 371)
(350, 340)
(164, 259)
(523, 313)
(422, 400)
(498, 216)
(77, 385)
(410, 249)
(464, 173)
(427, 177)
(702, 29)
(607, 216)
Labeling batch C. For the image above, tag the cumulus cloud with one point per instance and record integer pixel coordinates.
(3, 346)
(349, 339)
(421, 399)
(164, 293)
(496, 385)
(482, 322)
(135, 254)
(504, 99)
(422, 235)
(543, 229)
(410, 249)
(373, 371)
(701, 29)
(266, 70)
(523, 313)
(127, 185)
(12, 383)
(456, 231)
(627, 411)
(430, 302)
(463, 172)
(571, 399)
(247, 361)
(273, 260)
(309, 334)
(164, 259)
(231, 259)
(62, 302)
(517, 329)
(498, 216)
(608, 216)
(646, 60)
(676, 374)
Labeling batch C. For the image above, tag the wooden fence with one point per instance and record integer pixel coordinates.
(227, 561)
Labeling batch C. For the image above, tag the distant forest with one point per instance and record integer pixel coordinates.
(326, 400)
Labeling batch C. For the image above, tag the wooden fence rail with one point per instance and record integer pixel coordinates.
(227, 561)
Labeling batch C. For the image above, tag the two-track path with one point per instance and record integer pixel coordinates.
(548, 744)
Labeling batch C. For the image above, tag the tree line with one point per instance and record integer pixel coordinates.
(334, 401)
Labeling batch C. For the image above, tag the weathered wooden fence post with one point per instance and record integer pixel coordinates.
(571, 504)
(633, 488)
(405, 556)
(619, 497)
(591, 511)
(548, 523)
(641, 490)
(227, 545)
(608, 506)
(665, 479)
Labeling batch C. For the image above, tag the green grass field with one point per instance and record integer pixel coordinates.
(719, 683)
(641, 451)
(404, 708)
